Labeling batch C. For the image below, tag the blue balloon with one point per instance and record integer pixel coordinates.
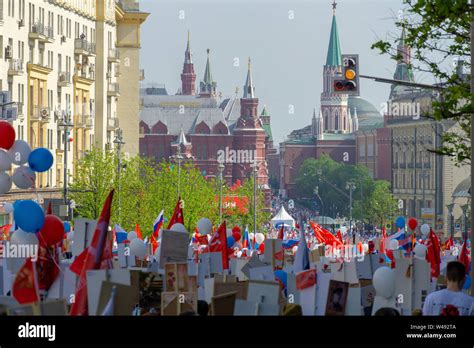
(400, 222)
(230, 241)
(40, 160)
(67, 227)
(15, 204)
(281, 276)
(29, 216)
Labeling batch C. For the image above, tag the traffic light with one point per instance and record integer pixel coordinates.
(348, 83)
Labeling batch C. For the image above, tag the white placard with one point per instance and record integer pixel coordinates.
(83, 234)
(262, 273)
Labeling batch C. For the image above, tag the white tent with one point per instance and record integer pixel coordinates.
(283, 217)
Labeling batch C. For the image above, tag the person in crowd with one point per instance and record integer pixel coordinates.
(450, 301)
(387, 312)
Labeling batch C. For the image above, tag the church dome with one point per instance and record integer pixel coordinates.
(365, 109)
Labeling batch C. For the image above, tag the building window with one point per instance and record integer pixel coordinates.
(362, 150)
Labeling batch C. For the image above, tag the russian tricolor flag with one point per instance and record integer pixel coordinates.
(158, 224)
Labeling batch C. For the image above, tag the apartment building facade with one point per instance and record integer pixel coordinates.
(61, 62)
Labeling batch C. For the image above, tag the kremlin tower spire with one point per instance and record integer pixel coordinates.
(208, 85)
(188, 77)
(333, 106)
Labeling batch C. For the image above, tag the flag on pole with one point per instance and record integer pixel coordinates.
(47, 266)
(382, 241)
(433, 255)
(178, 217)
(120, 234)
(218, 243)
(339, 235)
(138, 232)
(302, 253)
(25, 289)
(464, 257)
(281, 232)
(49, 211)
(246, 239)
(93, 257)
(157, 225)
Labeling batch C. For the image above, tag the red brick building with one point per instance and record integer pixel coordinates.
(205, 129)
(342, 125)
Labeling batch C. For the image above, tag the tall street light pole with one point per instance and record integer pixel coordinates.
(66, 124)
(118, 141)
(255, 172)
(178, 158)
(220, 169)
(351, 187)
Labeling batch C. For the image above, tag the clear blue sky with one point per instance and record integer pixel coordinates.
(287, 54)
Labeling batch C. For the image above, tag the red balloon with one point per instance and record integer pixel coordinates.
(236, 236)
(7, 135)
(412, 223)
(236, 229)
(261, 248)
(52, 231)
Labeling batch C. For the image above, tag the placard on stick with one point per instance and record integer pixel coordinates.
(263, 292)
(337, 298)
(126, 297)
(273, 254)
(223, 304)
(173, 303)
(174, 247)
(83, 234)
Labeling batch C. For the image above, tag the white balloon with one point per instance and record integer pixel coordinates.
(138, 248)
(8, 207)
(228, 232)
(384, 282)
(131, 236)
(425, 229)
(251, 236)
(5, 161)
(178, 228)
(204, 226)
(19, 152)
(23, 238)
(5, 183)
(259, 238)
(393, 244)
(420, 251)
(24, 177)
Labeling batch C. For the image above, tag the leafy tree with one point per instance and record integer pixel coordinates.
(145, 187)
(438, 32)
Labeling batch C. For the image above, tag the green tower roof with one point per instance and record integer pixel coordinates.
(334, 57)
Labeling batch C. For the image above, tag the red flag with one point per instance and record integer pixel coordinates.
(317, 232)
(382, 241)
(218, 243)
(50, 209)
(433, 254)
(24, 288)
(281, 232)
(464, 257)
(339, 235)
(138, 232)
(449, 243)
(178, 216)
(93, 257)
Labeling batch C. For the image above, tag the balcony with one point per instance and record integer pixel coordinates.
(79, 121)
(15, 67)
(141, 74)
(41, 32)
(113, 90)
(64, 79)
(114, 55)
(117, 71)
(112, 124)
(89, 121)
(41, 114)
(403, 165)
(84, 47)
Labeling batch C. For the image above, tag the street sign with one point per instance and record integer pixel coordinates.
(427, 213)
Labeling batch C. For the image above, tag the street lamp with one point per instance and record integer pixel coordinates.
(178, 158)
(424, 175)
(451, 218)
(220, 169)
(351, 187)
(316, 192)
(464, 214)
(255, 172)
(66, 123)
(118, 141)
